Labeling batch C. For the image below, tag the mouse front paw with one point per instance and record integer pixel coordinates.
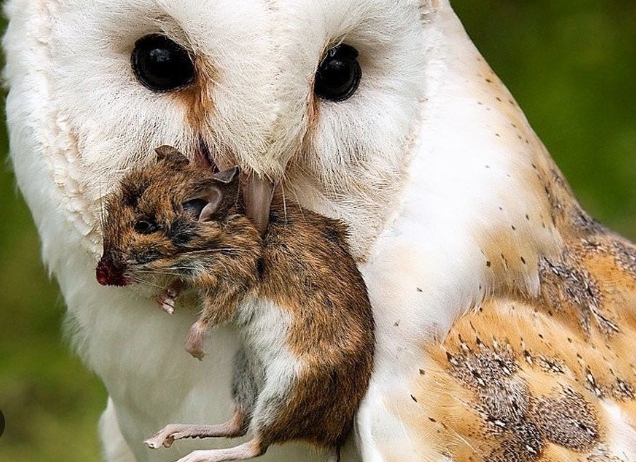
(165, 303)
(194, 341)
(167, 300)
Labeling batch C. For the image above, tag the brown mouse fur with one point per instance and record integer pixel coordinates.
(296, 295)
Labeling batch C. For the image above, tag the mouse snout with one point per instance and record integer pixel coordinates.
(110, 272)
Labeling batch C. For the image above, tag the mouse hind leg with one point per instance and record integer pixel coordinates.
(236, 426)
(244, 392)
(248, 450)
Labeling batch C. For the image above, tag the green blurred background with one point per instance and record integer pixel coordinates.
(571, 64)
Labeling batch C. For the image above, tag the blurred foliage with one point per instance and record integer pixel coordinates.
(570, 64)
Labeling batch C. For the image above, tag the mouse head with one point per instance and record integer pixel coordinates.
(160, 213)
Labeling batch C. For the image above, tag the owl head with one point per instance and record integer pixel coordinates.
(321, 98)
(364, 111)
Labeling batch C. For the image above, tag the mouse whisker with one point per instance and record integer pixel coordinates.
(139, 280)
(220, 249)
(172, 271)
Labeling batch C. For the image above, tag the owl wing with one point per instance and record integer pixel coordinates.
(504, 313)
(547, 376)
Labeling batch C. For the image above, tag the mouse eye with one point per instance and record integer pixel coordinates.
(338, 74)
(194, 207)
(161, 64)
(146, 227)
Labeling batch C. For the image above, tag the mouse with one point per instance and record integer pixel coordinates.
(294, 294)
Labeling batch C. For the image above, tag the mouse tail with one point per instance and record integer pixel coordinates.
(335, 455)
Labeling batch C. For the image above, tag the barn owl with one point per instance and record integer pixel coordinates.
(504, 312)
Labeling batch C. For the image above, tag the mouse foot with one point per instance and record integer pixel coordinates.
(170, 433)
(166, 436)
(173, 432)
(236, 426)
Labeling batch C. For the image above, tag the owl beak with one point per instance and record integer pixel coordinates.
(258, 193)
(258, 190)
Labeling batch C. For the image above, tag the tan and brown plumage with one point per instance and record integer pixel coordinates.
(545, 376)
(527, 376)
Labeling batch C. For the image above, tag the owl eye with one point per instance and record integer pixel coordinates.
(161, 64)
(338, 74)
(146, 227)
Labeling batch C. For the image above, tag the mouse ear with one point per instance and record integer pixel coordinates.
(227, 176)
(204, 207)
(171, 154)
(214, 198)
(218, 198)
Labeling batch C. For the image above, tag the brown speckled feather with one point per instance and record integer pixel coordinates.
(525, 379)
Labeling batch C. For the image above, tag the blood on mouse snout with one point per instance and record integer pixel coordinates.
(110, 272)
